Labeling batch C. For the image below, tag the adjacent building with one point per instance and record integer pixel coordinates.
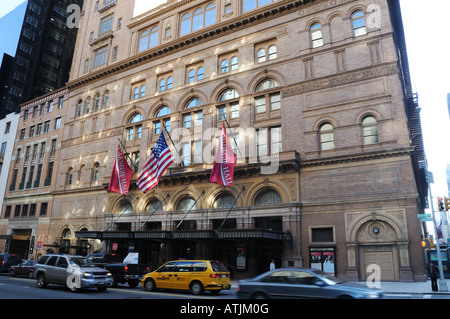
(44, 53)
(27, 204)
(317, 100)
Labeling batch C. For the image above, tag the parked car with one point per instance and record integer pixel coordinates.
(121, 273)
(302, 283)
(25, 268)
(75, 272)
(8, 260)
(195, 276)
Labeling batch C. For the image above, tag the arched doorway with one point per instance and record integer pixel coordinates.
(378, 239)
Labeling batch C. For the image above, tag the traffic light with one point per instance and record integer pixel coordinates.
(447, 203)
(441, 204)
(425, 243)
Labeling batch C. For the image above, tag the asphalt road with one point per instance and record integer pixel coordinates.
(25, 288)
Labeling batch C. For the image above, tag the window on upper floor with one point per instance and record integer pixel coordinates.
(359, 23)
(100, 56)
(165, 82)
(106, 24)
(163, 121)
(316, 35)
(326, 137)
(369, 127)
(253, 4)
(199, 18)
(134, 127)
(148, 38)
(196, 73)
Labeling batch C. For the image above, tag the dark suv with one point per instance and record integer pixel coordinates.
(8, 260)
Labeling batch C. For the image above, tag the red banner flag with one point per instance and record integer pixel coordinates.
(223, 169)
(121, 174)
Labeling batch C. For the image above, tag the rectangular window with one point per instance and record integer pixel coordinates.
(322, 235)
(106, 24)
(39, 129)
(57, 123)
(186, 153)
(8, 212)
(100, 56)
(260, 104)
(46, 126)
(197, 152)
(44, 207)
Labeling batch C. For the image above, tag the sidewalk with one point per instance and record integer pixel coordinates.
(395, 287)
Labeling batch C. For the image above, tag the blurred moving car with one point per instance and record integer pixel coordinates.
(8, 260)
(302, 283)
(25, 268)
(75, 272)
(193, 275)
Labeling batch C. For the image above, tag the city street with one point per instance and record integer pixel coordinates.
(25, 288)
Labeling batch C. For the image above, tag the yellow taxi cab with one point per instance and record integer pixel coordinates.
(196, 276)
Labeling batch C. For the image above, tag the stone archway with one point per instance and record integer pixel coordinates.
(381, 239)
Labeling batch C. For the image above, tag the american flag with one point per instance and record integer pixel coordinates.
(159, 160)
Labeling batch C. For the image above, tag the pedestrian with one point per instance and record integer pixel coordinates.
(272, 265)
(432, 271)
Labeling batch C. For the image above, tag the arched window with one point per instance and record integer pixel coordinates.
(272, 52)
(154, 206)
(88, 106)
(359, 23)
(225, 200)
(268, 84)
(79, 107)
(210, 14)
(126, 208)
(261, 55)
(185, 24)
(370, 130)
(224, 66)
(106, 99)
(194, 102)
(162, 85)
(136, 118)
(96, 172)
(326, 137)
(191, 76)
(69, 176)
(148, 38)
(97, 103)
(163, 111)
(187, 203)
(134, 130)
(316, 35)
(170, 83)
(197, 20)
(234, 63)
(268, 197)
(229, 95)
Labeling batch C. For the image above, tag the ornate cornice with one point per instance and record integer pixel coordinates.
(264, 14)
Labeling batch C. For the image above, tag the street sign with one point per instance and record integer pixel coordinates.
(423, 215)
(429, 177)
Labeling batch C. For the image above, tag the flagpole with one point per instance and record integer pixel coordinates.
(170, 137)
(128, 156)
(234, 204)
(235, 143)
(203, 192)
(160, 205)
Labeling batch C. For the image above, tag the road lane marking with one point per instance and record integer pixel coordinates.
(163, 294)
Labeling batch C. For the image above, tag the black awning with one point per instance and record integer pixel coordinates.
(226, 234)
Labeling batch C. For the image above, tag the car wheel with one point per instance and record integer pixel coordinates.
(196, 288)
(115, 281)
(259, 295)
(133, 283)
(30, 274)
(149, 285)
(40, 281)
(12, 273)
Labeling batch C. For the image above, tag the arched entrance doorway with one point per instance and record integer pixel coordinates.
(378, 240)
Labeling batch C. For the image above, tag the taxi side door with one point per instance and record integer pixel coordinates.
(165, 275)
(181, 277)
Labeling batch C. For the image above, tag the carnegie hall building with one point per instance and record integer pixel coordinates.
(317, 101)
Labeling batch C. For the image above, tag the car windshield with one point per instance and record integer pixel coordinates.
(330, 280)
(218, 266)
(81, 261)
